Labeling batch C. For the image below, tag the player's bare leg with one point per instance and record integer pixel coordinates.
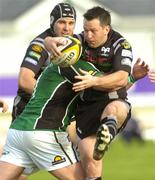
(112, 119)
(92, 168)
(72, 172)
(71, 129)
(9, 171)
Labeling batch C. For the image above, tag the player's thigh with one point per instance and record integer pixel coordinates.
(9, 171)
(72, 172)
(86, 147)
(71, 129)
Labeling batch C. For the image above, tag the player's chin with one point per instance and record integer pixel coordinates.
(92, 45)
(67, 34)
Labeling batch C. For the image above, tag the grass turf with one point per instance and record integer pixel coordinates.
(123, 161)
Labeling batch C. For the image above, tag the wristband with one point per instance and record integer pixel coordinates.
(131, 79)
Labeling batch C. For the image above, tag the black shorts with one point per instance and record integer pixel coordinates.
(18, 106)
(88, 117)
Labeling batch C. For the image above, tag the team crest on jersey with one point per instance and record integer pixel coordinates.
(58, 160)
(105, 51)
(37, 48)
(126, 44)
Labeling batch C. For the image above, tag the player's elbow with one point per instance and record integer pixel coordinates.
(23, 84)
(26, 80)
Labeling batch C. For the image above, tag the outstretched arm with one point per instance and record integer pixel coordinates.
(109, 82)
(112, 81)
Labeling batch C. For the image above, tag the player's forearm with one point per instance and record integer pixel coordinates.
(108, 82)
(28, 89)
(26, 80)
(112, 81)
(27, 86)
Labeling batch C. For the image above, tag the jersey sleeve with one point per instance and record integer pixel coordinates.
(36, 57)
(80, 37)
(122, 56)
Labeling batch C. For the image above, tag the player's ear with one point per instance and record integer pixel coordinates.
(107, 29)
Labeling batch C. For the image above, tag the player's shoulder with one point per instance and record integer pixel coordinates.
(42, 36)
(119, 40)
(115, 35)
(38, 41)
(80, 37)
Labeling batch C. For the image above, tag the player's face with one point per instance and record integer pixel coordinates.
(64, 26)
(94, 33)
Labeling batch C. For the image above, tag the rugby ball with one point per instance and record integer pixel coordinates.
(70, 52)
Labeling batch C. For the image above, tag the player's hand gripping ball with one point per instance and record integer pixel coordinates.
(70, 52)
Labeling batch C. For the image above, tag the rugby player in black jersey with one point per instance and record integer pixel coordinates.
(103, 108)
(107, 111)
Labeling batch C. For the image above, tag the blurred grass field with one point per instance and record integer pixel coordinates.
(123, 161)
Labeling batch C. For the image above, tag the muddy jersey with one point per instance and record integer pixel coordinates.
(36, 59)
(53, 101)
(114, 55)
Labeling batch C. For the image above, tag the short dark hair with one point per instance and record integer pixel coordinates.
(98, 12)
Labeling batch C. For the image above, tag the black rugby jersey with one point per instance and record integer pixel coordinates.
(115, 54)
(36, 59)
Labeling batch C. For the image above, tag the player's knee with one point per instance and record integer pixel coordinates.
(117, 110)
(111, 110)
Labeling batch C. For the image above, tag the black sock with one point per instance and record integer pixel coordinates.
(112, 125)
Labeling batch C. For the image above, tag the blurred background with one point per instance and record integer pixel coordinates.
(22, 20)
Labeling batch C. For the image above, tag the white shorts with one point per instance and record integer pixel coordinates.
(39, 150)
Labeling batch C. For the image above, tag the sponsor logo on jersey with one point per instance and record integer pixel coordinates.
(37, 48)
(34, 55)
(126, 61)
(125, 44)
(58, 160)
(127, 53)
(30, 60)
